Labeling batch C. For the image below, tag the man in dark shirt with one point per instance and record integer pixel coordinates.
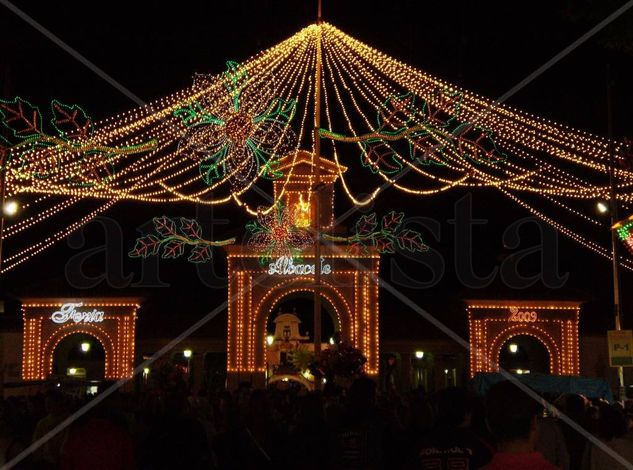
(451, 445)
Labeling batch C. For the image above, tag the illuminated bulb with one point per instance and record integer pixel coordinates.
(270, 339)
(10, 207)
(331, 340)
(187, 353)
(602, 207)
(285, 379)
(85, 347)
(446, 371)
(72, 371)
(146, 371)
(419, 354)
(513, 348)
(520, 371)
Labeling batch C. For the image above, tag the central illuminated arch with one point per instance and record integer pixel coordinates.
(350, 287)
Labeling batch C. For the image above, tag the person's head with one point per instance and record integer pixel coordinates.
(55, 402)
(362, 393)
(611, 422)
(511, 414)
(454, 407)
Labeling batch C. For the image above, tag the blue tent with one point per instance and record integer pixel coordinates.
(560, 384)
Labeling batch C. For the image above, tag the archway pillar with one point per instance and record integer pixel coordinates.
(349, 284)
(554, 323)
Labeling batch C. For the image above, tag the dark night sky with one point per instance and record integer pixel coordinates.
(485, 47)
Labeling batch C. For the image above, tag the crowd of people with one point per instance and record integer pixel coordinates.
(357, 427)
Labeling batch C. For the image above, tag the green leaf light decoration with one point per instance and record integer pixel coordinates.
(386, 236)
(172, 237)
(72, 156)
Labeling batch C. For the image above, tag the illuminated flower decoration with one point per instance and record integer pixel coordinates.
(275, 234)
(624, 231)
(242, 140)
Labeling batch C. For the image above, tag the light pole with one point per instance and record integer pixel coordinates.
(615, 247)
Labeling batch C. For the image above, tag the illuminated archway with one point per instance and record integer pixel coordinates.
(351, 289)
(555, 324)
(112, 322)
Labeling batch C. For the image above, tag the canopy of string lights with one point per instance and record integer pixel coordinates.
(211, 143)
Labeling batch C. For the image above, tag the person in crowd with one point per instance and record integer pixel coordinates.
(551, 441)
(97, 441)
(512, 416)
(451, 443)
(359, 441)
(48, 455)
(576, 408)
(613, 434)
(178, 439)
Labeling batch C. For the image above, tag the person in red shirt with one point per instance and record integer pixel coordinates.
(512, 418)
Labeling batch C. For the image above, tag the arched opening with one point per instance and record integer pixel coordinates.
(301, 304)
(524, 354)
(80, 356)
(290, 335)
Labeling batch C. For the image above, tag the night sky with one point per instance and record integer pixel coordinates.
(485, 47)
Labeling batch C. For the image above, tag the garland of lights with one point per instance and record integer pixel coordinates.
(428, 130)
(171, 238)
(429, 137)
(40, 154)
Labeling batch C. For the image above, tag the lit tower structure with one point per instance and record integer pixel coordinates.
(348, 287)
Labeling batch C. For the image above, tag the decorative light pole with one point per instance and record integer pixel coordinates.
(316, 190)
(615, 247)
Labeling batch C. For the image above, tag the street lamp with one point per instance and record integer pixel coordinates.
(85, 347)
(513, 348)
(187, 353)
(10, 207)
(72, 371)
(419, 354)
(602, 207)
(270, 339)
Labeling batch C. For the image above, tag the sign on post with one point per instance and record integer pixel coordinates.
(620, 348)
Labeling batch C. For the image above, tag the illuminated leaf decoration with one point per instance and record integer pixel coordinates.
(384, 237)
(70, 121)
(239, 143)
(275, 234)
(32, 153)
(171, 239)
(431, 130)
(366, 224)
(22, 118)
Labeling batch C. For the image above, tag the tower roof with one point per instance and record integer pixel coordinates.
(303, 163)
